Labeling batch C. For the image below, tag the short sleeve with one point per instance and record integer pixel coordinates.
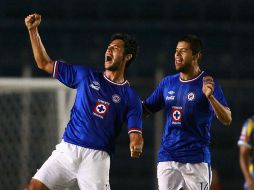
(155, 101)
(134, 114)
(218, 94)
(68, 74)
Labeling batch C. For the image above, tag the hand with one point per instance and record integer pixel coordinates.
(208, 86)
(136, 144)
(32, 21)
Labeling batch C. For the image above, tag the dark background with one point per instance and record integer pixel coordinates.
(78, 32)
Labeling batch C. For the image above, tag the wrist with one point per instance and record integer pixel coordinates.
(33, 30)
(210, 97)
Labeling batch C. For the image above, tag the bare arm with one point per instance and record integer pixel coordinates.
(136, 144)
(41, 57)
(222, 112)
(244, 156)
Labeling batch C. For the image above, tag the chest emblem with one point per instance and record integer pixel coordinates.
(191, 96)
(116, 98)
(176, 115)
(101, 109)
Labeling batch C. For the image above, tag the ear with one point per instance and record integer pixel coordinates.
(128, 57)
(198, 56)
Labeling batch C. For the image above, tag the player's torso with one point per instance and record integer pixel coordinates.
(98, 112)
(185, 103)
(186, 133)
(102, 100)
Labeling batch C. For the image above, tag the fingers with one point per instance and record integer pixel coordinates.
(136, 144)
(32, 20)
(208, 86)
(208, 80)
(136, 151)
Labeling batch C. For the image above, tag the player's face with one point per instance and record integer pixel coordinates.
(114, 56)
(183, 57)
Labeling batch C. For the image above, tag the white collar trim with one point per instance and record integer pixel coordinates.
(123, 83)
(191, 79)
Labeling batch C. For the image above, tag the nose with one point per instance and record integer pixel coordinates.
(109, 49)
(177, 54)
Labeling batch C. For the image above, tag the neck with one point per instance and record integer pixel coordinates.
(114, 76)
(188, 75)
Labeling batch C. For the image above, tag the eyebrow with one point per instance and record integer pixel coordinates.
(113, 45)
(182, 48)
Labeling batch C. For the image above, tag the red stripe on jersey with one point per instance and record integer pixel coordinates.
(138, 130)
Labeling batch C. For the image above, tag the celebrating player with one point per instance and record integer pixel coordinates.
(190, 99)
(246, 145)
(104, 101)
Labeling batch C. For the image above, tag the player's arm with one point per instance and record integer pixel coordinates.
(243, 159)
(136, 144)
(146, 112)
(42, 59)
(223, 113)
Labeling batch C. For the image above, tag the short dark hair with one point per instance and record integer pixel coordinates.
(194, 41)
(130, 45)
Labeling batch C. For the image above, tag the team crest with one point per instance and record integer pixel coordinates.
(116, 98)
(101, 109)
(191, 96)
(176, 115)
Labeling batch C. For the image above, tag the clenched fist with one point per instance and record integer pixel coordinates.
(208, 86)
(32, 21)
(136, 144)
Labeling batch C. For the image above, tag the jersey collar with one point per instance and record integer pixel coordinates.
(123, 83)
(191, 79)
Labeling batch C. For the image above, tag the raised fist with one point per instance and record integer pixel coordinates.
(32, 21)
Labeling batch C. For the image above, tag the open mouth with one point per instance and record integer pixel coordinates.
(108, 58)
(178, 61)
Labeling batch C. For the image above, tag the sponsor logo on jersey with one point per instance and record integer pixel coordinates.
(116, 98)
(170, 97)
(171, 92)
(191, 96)
(176, 115)
(95, 85)
(101, 109)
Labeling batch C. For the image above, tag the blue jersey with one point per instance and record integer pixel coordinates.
(186, 135)
(100, 109)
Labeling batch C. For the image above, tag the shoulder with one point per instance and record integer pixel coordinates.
(130, 93)
(169, 79)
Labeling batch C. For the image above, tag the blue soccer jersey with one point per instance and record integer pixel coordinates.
(186, 135)
(100, 109)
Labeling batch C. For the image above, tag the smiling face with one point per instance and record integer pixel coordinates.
(114, 56)
(184, 57)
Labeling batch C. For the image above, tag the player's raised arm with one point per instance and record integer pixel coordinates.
(136, 144)
(42, 59)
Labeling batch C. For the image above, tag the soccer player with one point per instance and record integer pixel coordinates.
(246, 153)
(190, 98)
(104, 101)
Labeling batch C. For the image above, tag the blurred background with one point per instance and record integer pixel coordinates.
(33, 117)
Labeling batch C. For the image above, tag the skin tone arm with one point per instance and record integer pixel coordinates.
(42, 59)
(136, 144)
(222, 112)
(244, 155)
